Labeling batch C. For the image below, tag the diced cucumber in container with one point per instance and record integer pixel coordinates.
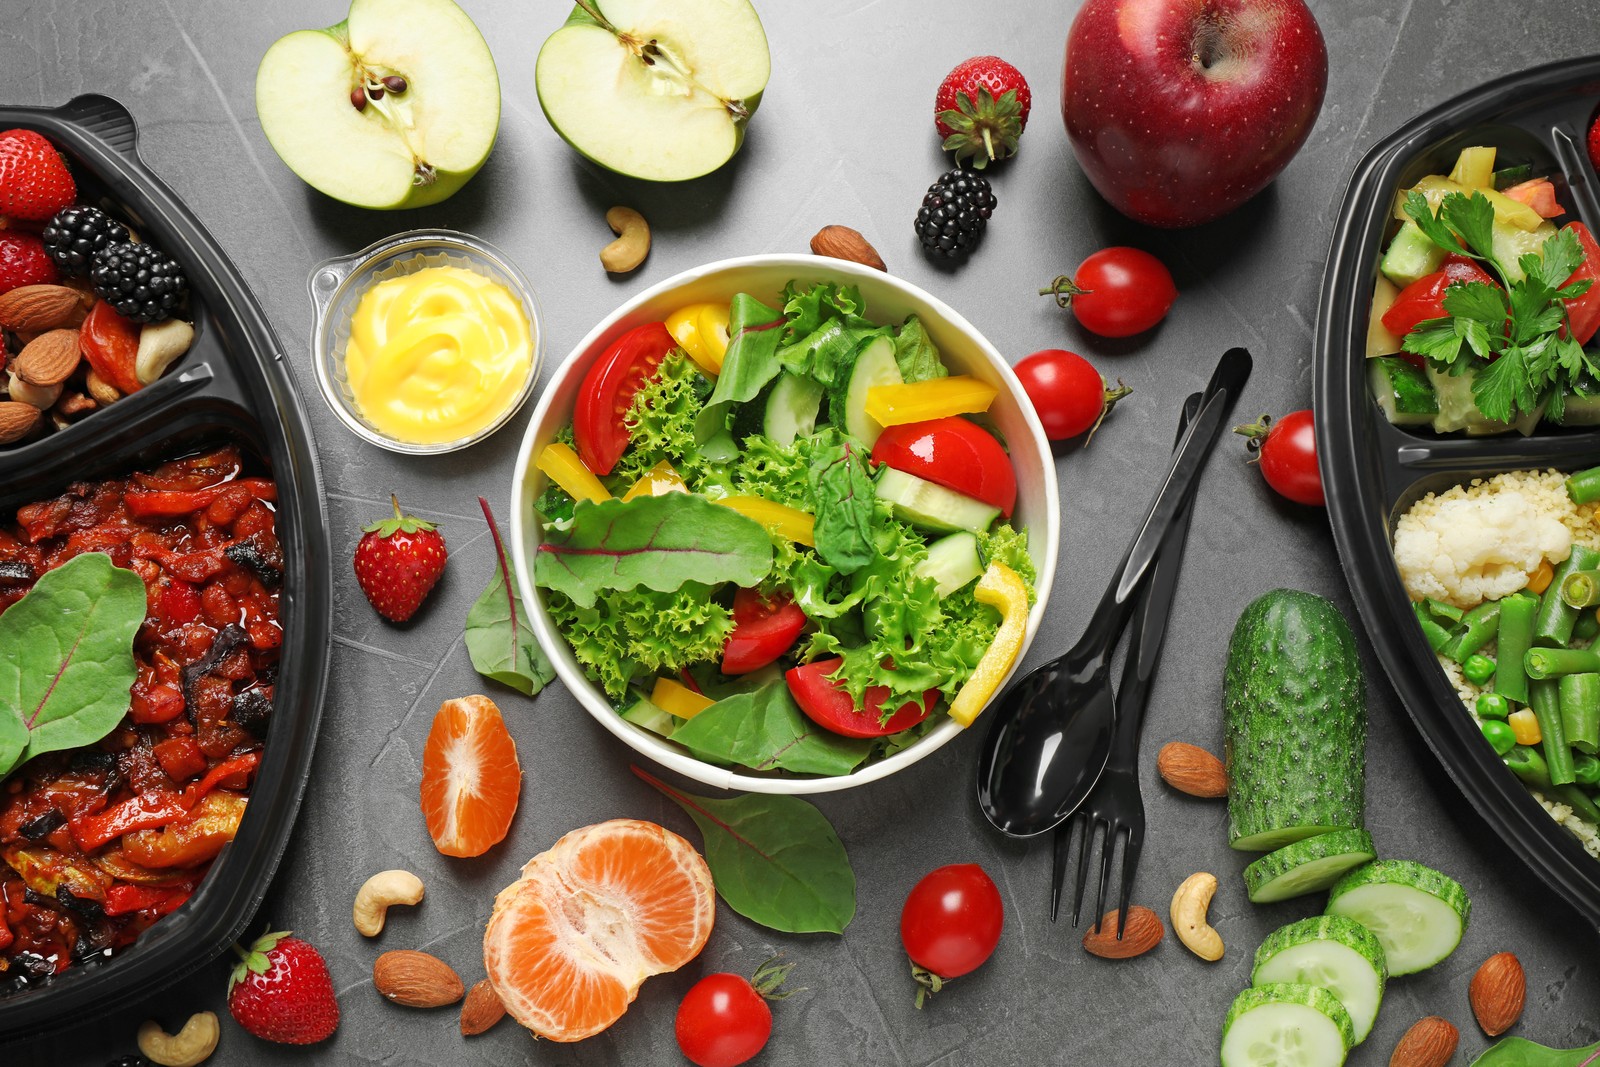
(1411, 255)
(1417, 913)
(1286, 1025)
(1404, 393)
(1295, 723)
(952, 563)
(873, 367)
(933, 507)
(1332, 953)
(1307, 866)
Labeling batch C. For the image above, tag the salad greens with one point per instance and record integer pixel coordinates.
(765, 730)
(499, 639)
(846, 507)
(1520, 1052)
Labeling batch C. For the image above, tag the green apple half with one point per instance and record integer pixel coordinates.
(656, 89)
(398, 149)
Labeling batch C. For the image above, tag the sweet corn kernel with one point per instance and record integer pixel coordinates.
(1525, 727)
(1539, 580)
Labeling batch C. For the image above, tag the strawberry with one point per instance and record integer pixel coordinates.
(23, 261)
(34, 180)
(981, 110)
(397, 563)
(280, 991)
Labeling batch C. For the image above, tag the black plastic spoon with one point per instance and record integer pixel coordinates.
(1050, 734)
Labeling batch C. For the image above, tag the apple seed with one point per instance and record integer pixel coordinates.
(358, 99)
(395, 84)
(375, 92)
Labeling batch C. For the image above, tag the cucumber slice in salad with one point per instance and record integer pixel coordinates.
(923, 503)
(1332, 953)
(1286, 1025)
(1309, 865)
(1417, 913)
(1403, 392)
(792, 407)
(645, 714)
(952, 563)
(874, 366)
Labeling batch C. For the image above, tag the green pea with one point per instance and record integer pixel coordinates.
(1586, 769)
(1499, 736)
(1478, 669)
(1493, 706)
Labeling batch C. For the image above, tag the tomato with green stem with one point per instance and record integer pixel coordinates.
(764, 628)
(599, 429)
(1287, 450)
(950, 925)
(1068, 394)
(1117, 292)
(724, 1019)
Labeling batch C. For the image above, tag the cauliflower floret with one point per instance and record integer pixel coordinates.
(1465, 550)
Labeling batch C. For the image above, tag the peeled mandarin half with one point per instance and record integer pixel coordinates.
(470, 777)
(605, 908)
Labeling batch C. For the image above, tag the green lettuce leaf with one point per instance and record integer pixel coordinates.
(499, 639)
(844, 504)
(764, 731)
(661, 425)
(1520, 1052)
(641, 632)
(915, 353)
(752, 357)
(1011, 548)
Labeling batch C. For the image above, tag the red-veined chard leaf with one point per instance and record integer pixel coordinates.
(499, 639)
(66, 658)
(774, 859)
(1520, 1052)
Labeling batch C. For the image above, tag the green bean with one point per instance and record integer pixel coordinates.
(1579, 802)
(1527, 764)
(1482, 624)
(1437, 636)
(1545, 699)
(1586, 769)
(1584, 486)
(1580, 711)
(1587, 628)
(1553, 624)
(1581, 589)
(1542, 663)
(1448, 612)
(1516, 637)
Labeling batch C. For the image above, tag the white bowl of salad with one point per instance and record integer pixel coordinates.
(785, 524)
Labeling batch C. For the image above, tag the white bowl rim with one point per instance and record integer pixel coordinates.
(657, 748)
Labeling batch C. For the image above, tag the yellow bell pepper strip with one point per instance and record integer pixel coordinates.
(1474, 168)
(789, 523)
(702, 332)
(657, 481)
(678, 700)
(564, 468)
(936, 398)
(1000, 588)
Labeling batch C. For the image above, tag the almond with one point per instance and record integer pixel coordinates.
(17, 421)
(1429, 1043)
(49, 359)
(481, 1010)
(841, 242)
(1191, 769)
(37, 308)
(416, 979)
(1142, 933)
(1497, 993)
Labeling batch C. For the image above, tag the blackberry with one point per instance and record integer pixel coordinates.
(77, 233)
(955, 213)
(129, 1061)
(143, 283)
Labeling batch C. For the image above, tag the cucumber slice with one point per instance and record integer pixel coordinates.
(874, 366)
(952, 563)
(645, 714)
(1306, 866)
(1332, 953)
(1286, 1025)
(1403, 392)
(1506, 177)
(1581, 410)
(1418, 913)
(792, 409)
(721, 448)
(1411, 255)
(922, 503)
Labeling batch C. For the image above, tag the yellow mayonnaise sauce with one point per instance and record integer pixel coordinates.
(437, 355)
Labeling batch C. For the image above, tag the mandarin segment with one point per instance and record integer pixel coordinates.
(470, 777)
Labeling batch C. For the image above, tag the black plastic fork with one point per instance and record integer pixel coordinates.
(1115, 806)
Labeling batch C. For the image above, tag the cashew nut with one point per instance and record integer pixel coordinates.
(193, 1044)
(101, 390)
(632, 243)
(42, 397)
(159, 344)
(1189, 906)
(379, 893)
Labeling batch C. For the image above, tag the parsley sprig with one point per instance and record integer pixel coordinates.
(1523, 356)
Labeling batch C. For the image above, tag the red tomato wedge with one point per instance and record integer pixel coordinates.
(1584, 311)
(826, 703)
(764, 628)
(1423, 299)
(1539, 194)
(608, 391)
(955, 453)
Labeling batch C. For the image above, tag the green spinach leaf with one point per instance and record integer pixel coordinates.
(774, 859)
(498, 636)
(915, 354)
(1520, 1052)
(845, 505)
(657, 542)
(752, 357)
(765, 730)
(66, 658)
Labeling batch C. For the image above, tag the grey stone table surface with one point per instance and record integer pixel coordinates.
(844, 135)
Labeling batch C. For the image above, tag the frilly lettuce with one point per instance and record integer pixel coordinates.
(641, 632)
(661, 424)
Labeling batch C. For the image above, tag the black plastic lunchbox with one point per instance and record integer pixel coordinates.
(232, 385)
(1373, 472)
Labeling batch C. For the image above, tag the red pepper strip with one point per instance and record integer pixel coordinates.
(163, 503)
(240, 765)
(123, 898)
(6, 936)
(147, 811)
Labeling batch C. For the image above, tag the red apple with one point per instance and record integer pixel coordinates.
(1181, 110)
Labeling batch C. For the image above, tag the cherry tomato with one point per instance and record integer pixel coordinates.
(1069, 394)
(955, 453)
(1423, 299)
(1584, 311)
(1117, 292)
(608, 390)
(951, 921)
(1289, 456)
(826, 703)
(764, 628)
(722, 1021)
(111, 344)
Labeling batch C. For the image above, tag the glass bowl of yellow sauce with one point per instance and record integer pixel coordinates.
(425, 342)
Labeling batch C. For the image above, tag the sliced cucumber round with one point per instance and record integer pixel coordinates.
(1306, 866)
(931, 506)
(1332, 953)
(1417, 913)
(875, 365)
(1286, 1025)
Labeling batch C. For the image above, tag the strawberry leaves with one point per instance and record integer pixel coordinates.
(499, 639)
(985, 129)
